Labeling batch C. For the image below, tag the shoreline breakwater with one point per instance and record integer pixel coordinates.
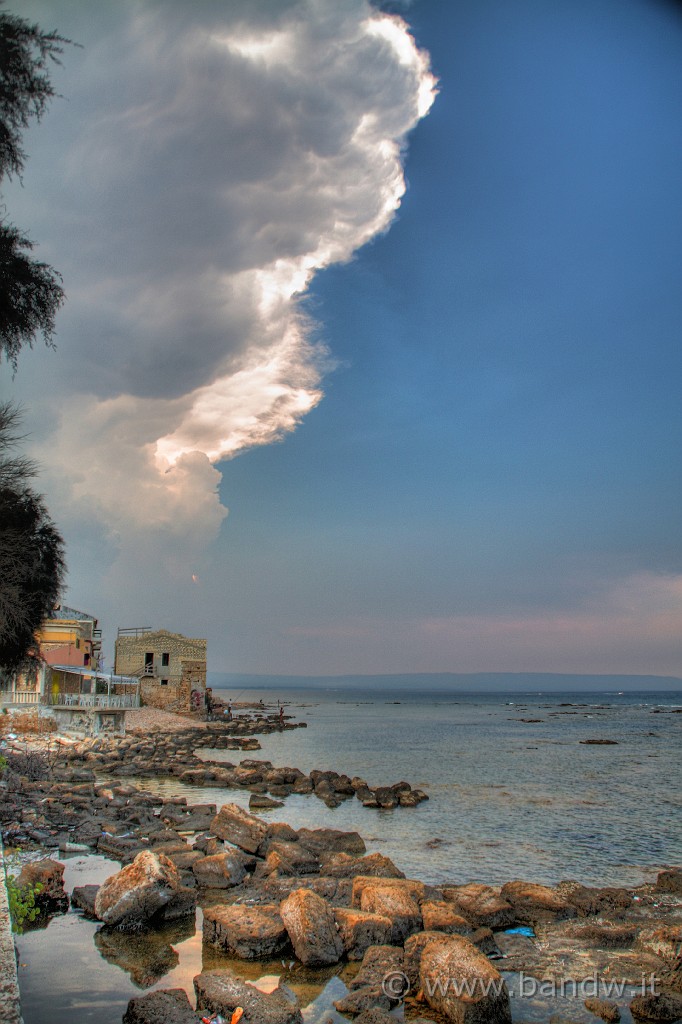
(269, 895)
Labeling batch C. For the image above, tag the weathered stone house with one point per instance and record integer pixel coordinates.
(171, 667)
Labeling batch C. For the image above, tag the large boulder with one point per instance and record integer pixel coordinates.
(46, 879)
(663, 941)
(83, 898)
(590, 900)
(167, 1006)
(240, 828)
(536, 904)
(670, 880)
(375, 865)
(481, 905)
(221, 991)
(664, 1007)
(412, 955)
(275, 888)
(418, 890)
(141, 892)
(396, 899)
(373, 986)
(251, 933)
(441, 916)
(220, 870)
(460, 982)
(364, 1000)
(604, 1008)
(359, 930)
(331, 840)
(300, 859)
(312, 928)
(377, 963)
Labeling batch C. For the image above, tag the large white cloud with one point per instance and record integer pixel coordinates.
(227, 155)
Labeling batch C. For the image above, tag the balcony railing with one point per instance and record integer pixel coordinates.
(19, 697)
(115, 701)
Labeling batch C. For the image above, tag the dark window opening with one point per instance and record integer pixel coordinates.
(164, 682)
(165, 658)
(149, 659)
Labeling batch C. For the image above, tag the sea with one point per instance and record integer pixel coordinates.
(516, 791)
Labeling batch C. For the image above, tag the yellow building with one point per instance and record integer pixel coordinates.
(66, 638)
(70, 637)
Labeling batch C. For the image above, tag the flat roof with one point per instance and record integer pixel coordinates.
(91, 673)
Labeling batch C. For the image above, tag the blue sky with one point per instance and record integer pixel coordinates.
(491, 481)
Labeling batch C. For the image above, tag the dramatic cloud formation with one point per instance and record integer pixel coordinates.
(228, 156)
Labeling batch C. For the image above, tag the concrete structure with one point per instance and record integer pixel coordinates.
(10, 1003)
(89, 703)
(171, 667)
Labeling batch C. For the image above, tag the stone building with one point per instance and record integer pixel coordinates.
(171, 667)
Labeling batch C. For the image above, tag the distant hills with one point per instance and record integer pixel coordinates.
(483, 682)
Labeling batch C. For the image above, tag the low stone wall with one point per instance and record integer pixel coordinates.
(10, 1008)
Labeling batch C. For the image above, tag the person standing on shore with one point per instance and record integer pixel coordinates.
(208, 699)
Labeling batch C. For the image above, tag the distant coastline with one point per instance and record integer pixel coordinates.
(475, 682)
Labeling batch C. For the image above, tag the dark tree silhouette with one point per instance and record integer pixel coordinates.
(30, 291)
(31, 550)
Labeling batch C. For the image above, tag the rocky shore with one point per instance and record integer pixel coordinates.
(315, 897)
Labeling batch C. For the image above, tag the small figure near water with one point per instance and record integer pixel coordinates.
(281, 715)
(208, 701)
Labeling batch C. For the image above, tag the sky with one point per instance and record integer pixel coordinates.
(370, 360)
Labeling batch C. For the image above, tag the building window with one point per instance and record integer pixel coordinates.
(165, 658)
(164, 682)
(149, 660)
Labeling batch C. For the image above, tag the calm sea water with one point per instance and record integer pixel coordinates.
(508, 799)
